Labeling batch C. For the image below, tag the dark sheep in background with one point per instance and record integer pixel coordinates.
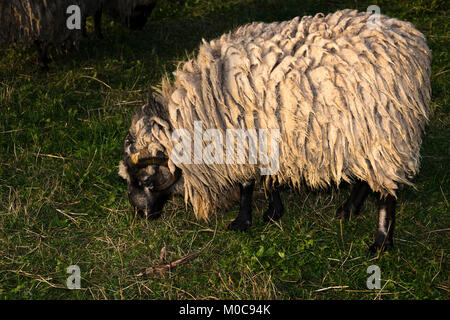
(43, 23)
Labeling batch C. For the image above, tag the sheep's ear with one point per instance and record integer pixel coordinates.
(154, 106)
(151, 107)
(151, 99)
(155, 111)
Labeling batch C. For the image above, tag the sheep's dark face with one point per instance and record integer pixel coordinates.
(149, 179)
(141, 189)
(139, 17)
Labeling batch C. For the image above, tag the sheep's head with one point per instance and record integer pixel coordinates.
(145, 163)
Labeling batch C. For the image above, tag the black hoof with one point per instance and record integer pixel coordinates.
(273, 214)
(240, 225)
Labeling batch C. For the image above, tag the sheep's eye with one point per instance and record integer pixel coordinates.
(129, 139)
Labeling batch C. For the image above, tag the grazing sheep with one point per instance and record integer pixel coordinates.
(42, 23)
(350, 102)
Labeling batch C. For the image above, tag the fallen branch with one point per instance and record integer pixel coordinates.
(161, 268)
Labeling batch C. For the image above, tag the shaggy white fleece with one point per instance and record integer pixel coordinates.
(349, 100)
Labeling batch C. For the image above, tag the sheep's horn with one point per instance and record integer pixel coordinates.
(166, 185)
(135, 160)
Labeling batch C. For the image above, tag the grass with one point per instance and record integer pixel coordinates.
(62, 202)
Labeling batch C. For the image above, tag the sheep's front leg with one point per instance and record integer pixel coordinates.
(276, 209)
(98, 24)
(353, 205)
(244, 218)
(386, 222)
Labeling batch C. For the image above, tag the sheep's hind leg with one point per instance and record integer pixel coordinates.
(276, 209)
(353, 205)
(386, 222)
(244, 218)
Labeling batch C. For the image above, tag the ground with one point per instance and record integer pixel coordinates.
(62, 202)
